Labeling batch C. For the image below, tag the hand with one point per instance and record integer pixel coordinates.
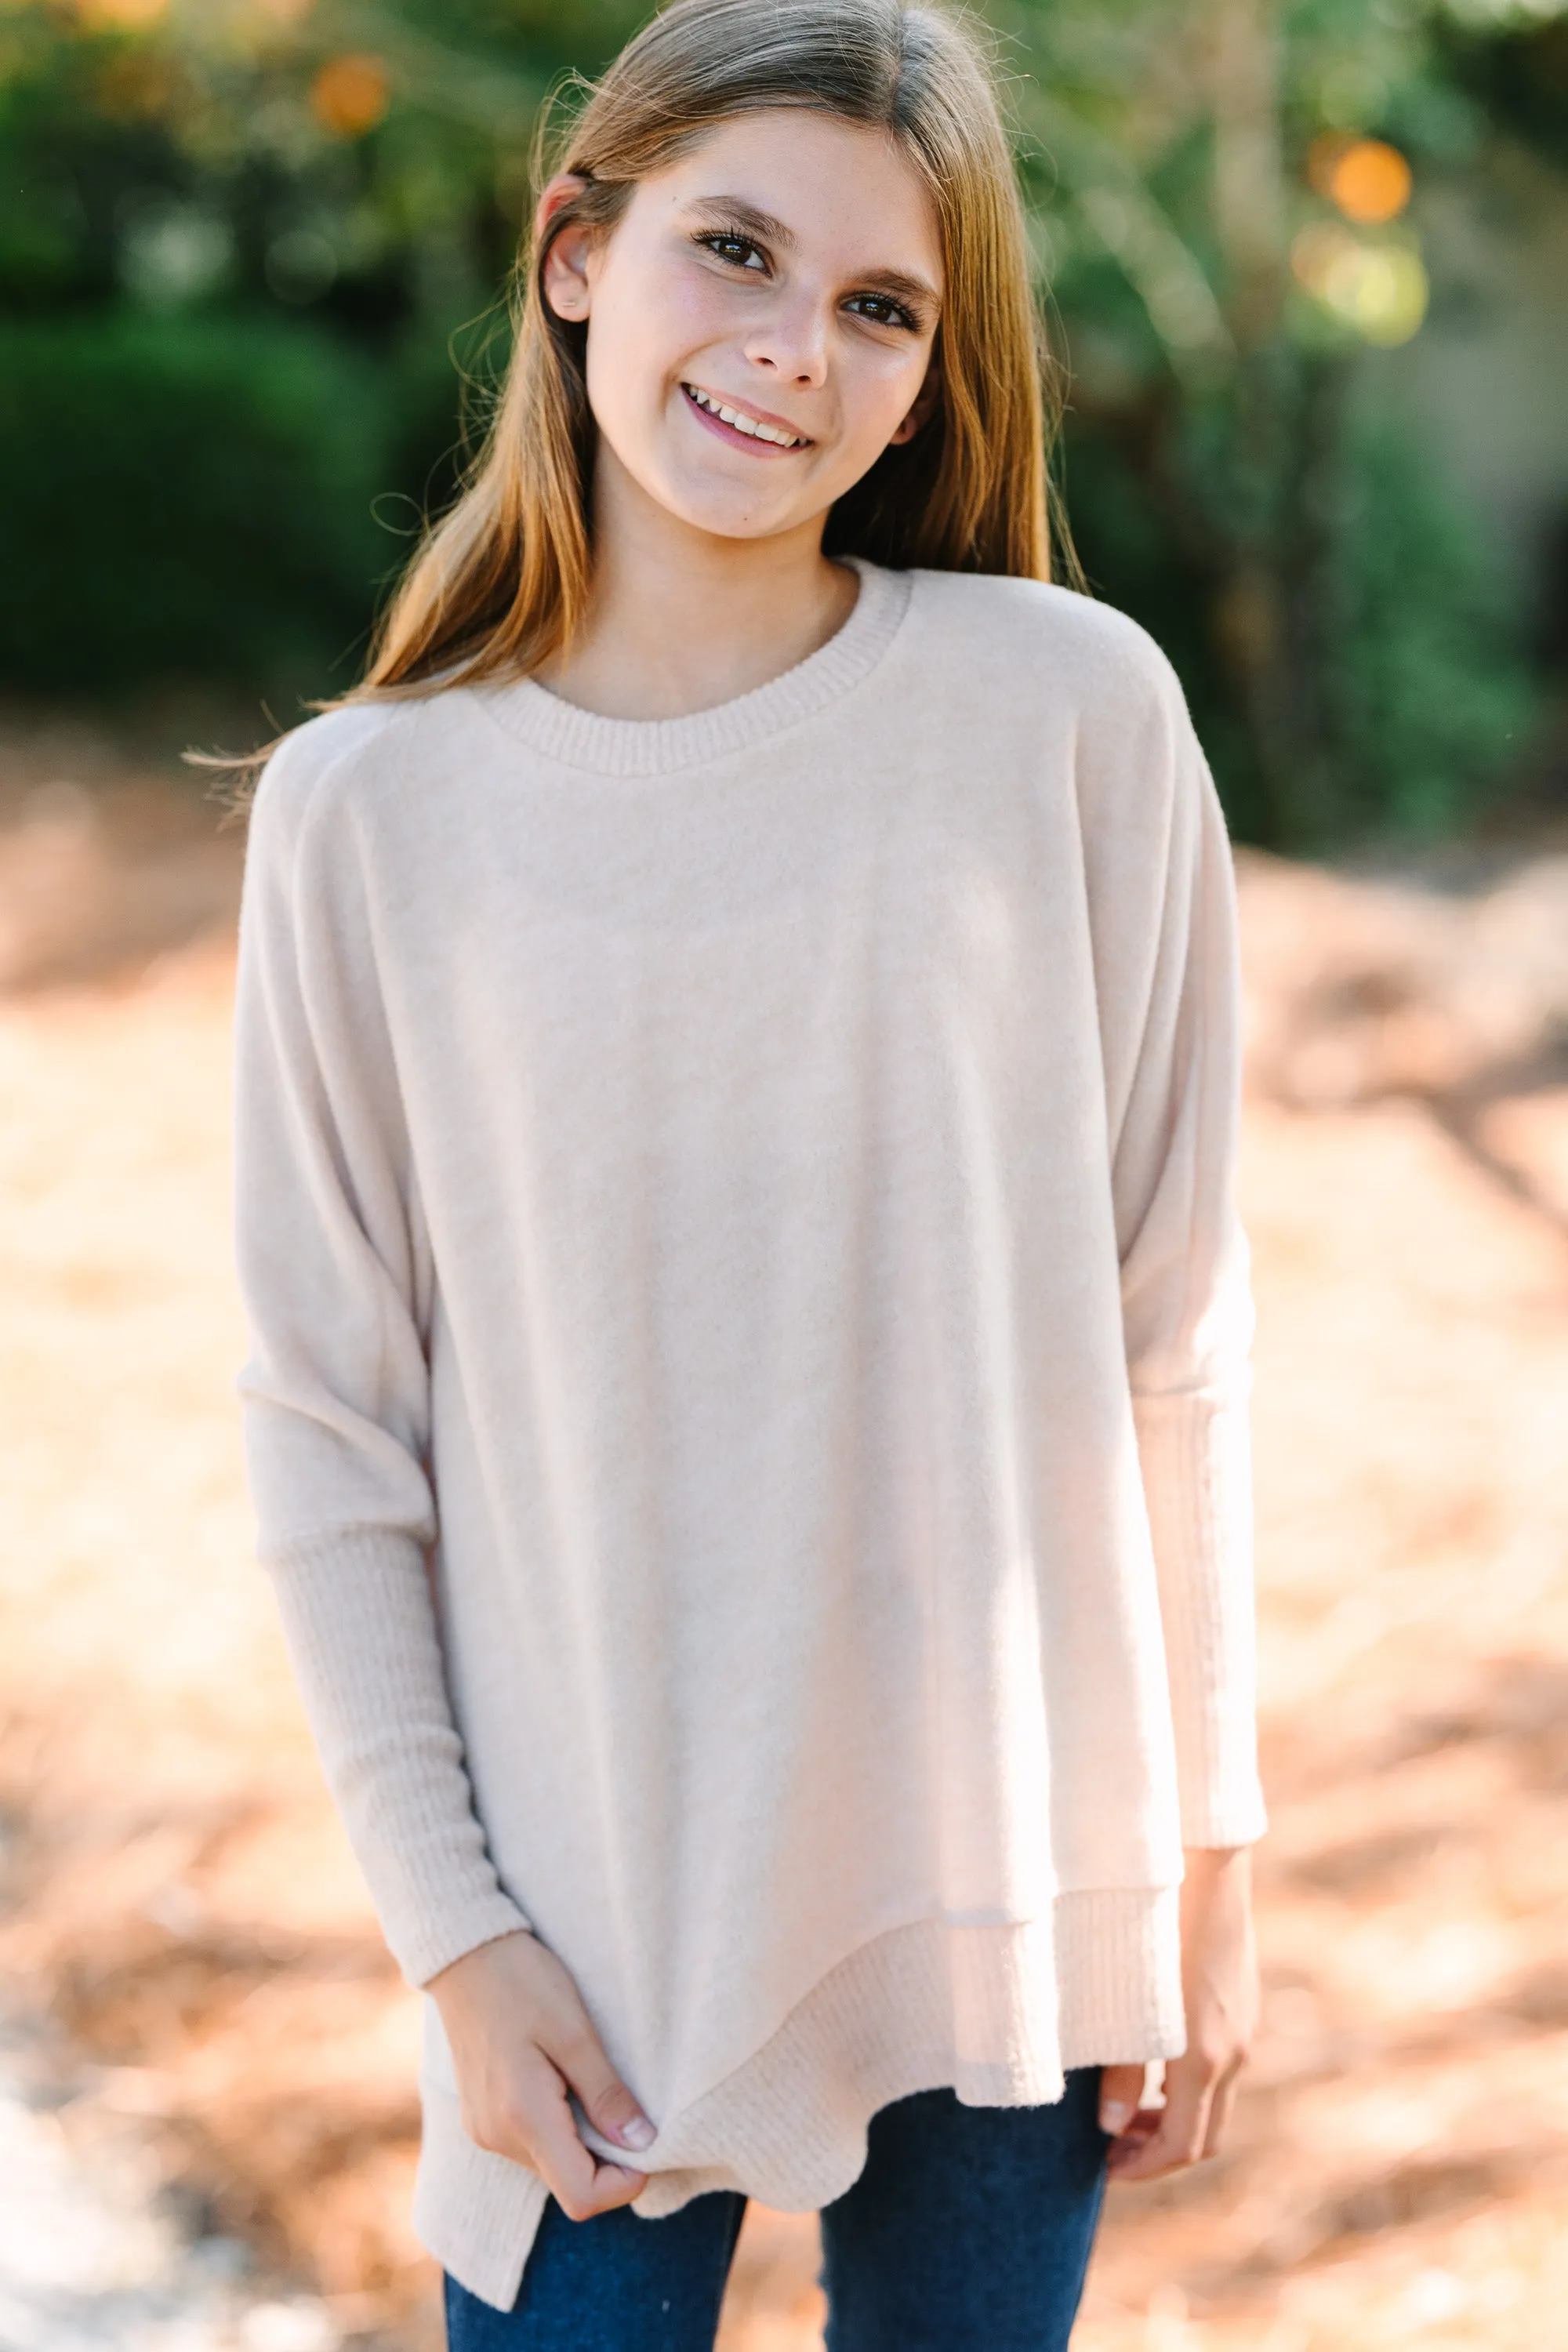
(1219, 1984)
(521, 2042)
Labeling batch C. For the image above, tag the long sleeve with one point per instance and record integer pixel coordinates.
(336, 1280)
(1187, 1305)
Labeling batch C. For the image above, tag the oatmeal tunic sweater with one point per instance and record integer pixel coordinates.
(747, 1400)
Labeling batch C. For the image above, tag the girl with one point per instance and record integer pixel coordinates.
(738, 1053)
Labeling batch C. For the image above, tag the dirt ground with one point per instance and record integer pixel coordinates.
(189, 1965)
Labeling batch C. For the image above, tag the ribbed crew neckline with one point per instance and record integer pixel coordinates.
(651, 747)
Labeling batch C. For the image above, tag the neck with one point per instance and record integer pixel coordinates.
(680, 619)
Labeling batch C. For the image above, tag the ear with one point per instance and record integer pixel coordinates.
(924, 406)
(564, 276)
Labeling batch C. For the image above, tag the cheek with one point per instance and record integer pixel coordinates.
(646, 328)
(880, 388)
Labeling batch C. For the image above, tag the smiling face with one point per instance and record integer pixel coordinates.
(760, 319)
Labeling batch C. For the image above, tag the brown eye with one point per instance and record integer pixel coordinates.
(739, 251)
(882, 311)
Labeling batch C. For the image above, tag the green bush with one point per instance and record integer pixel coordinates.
(188, 497)
(1382, 690)
(1430, 693)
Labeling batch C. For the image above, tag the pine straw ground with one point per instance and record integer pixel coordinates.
(180, 1904)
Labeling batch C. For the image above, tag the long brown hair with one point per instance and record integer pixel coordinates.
(502, 580)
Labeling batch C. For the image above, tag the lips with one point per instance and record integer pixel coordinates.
(743, 423)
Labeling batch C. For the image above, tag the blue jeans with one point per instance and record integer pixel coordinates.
(968, 2231)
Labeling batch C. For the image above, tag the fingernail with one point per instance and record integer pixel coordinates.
(639, 2133)
(1114, 2117)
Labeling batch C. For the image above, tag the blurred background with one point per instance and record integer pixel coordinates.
(1307, 264)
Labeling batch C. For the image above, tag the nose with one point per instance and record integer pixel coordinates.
(791, 342)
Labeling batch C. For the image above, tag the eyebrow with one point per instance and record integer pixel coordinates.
(736, 213)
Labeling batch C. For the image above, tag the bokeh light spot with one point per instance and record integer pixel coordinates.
(1368, 180)
(350, 94)
(1378, 290)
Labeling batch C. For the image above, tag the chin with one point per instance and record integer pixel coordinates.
(767, 528)
(720, 520)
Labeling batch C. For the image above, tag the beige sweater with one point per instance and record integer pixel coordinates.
(748, 1393)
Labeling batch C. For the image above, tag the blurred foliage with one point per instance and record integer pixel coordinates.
(246, 247)
(192, 485)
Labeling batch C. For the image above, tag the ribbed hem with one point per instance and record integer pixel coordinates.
(475, 2213)
(358, 1620)
(653, 747)
(1119, 1964)
(1195, 1457)
(997, 2014)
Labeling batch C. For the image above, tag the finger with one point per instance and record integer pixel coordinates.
(1120, 2096)
(1144, 2129)
(1178, 2139)
(581, 2185)
(607, 2102)
(1220, 2110)
(533, 2125)
(1190, 2086)
(612, 2185)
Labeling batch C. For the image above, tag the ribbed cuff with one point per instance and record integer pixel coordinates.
(361, 1628)
(1194, 1451)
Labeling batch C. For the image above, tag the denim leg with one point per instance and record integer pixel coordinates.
(970, 2229)
(612, 2284)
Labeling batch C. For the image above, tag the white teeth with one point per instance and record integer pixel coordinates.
(741, 423)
